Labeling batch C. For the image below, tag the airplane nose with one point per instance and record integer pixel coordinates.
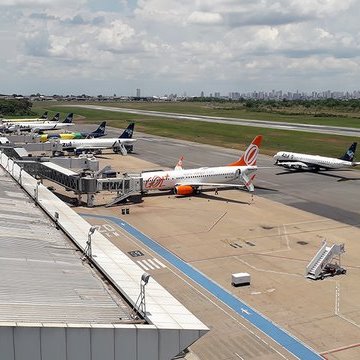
(276, 158)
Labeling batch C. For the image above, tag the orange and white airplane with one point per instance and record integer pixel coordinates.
(186, 182)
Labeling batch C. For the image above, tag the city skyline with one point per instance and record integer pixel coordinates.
(256, 95)
(163, 47)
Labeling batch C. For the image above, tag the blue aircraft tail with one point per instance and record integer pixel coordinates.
(56, 117)
(100, 131)
(128, 132)
(350, 153)
(69, 118)
(44, 116)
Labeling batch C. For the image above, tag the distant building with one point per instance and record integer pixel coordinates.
(138, 93)
(202, 94)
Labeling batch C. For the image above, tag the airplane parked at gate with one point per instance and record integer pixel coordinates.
(100, 131)
(187, 182)
(123, 143)
(37, 126)
(315, 162)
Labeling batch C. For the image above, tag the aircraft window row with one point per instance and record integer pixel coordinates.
(196, 176)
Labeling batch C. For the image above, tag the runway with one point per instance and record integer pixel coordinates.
(333, 130)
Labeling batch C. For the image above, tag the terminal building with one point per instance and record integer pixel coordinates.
(67, 293)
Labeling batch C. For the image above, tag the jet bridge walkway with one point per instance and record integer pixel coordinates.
(85, 183)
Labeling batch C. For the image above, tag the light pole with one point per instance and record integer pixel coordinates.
(140, 304)
(88, 248)
(56, 215)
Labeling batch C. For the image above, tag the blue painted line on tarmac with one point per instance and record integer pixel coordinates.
(290, 343)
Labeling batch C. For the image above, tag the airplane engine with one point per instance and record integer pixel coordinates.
(184, 190)
(298, 166)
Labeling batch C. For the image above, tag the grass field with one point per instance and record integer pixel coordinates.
(231, 136)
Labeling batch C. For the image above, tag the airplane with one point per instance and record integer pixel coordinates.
(43, 117)
(123, 143)
(100, 131)
(188, 182)
(37, 126)
(298, 161)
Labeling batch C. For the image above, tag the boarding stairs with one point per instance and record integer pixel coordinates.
(324, 256)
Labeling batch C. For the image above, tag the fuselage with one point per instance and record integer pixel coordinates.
(94, 143)
(23, 120)
(166, 180)
(316, 161)
(28, 126)
(64, 136)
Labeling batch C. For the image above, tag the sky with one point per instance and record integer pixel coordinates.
(166, 46)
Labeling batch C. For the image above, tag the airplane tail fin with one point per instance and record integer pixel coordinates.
(350, 153)
(100, 131)
(250, 155)
(179, 165)
(68, 118)
(44, 116)
(56, 117)
(128, 132)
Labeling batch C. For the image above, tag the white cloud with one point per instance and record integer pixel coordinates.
(207, 18)
(159, 44)
(116, 37)
(39, 3)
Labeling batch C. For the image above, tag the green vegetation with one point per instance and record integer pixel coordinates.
(231, 136)
(15, 107)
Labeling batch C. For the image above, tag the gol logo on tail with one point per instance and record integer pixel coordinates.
(251, 155)
(154, 182)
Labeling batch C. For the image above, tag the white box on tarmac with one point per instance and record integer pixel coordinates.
(240, 279)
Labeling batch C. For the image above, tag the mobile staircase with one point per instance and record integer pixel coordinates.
(322, 264)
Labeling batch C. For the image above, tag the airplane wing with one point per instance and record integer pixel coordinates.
(300, 165)
(293, 164)
(194, 184)
(125, 141)
(90, 147)
(189, 188)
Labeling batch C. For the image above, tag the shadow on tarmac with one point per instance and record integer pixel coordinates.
(323, 173)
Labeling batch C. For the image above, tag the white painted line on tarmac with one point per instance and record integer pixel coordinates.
(160, 263)
(153, 263)
(139, 262)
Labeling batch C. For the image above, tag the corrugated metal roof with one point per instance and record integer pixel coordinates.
(42, 276)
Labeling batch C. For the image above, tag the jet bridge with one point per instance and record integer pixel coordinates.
(86, 180)
(317, 268)
(86, 183)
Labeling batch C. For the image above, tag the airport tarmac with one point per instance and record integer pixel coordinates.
(227, 233)
(273, 241)
(333, 194)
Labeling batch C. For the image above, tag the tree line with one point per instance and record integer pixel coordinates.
(15, 107)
